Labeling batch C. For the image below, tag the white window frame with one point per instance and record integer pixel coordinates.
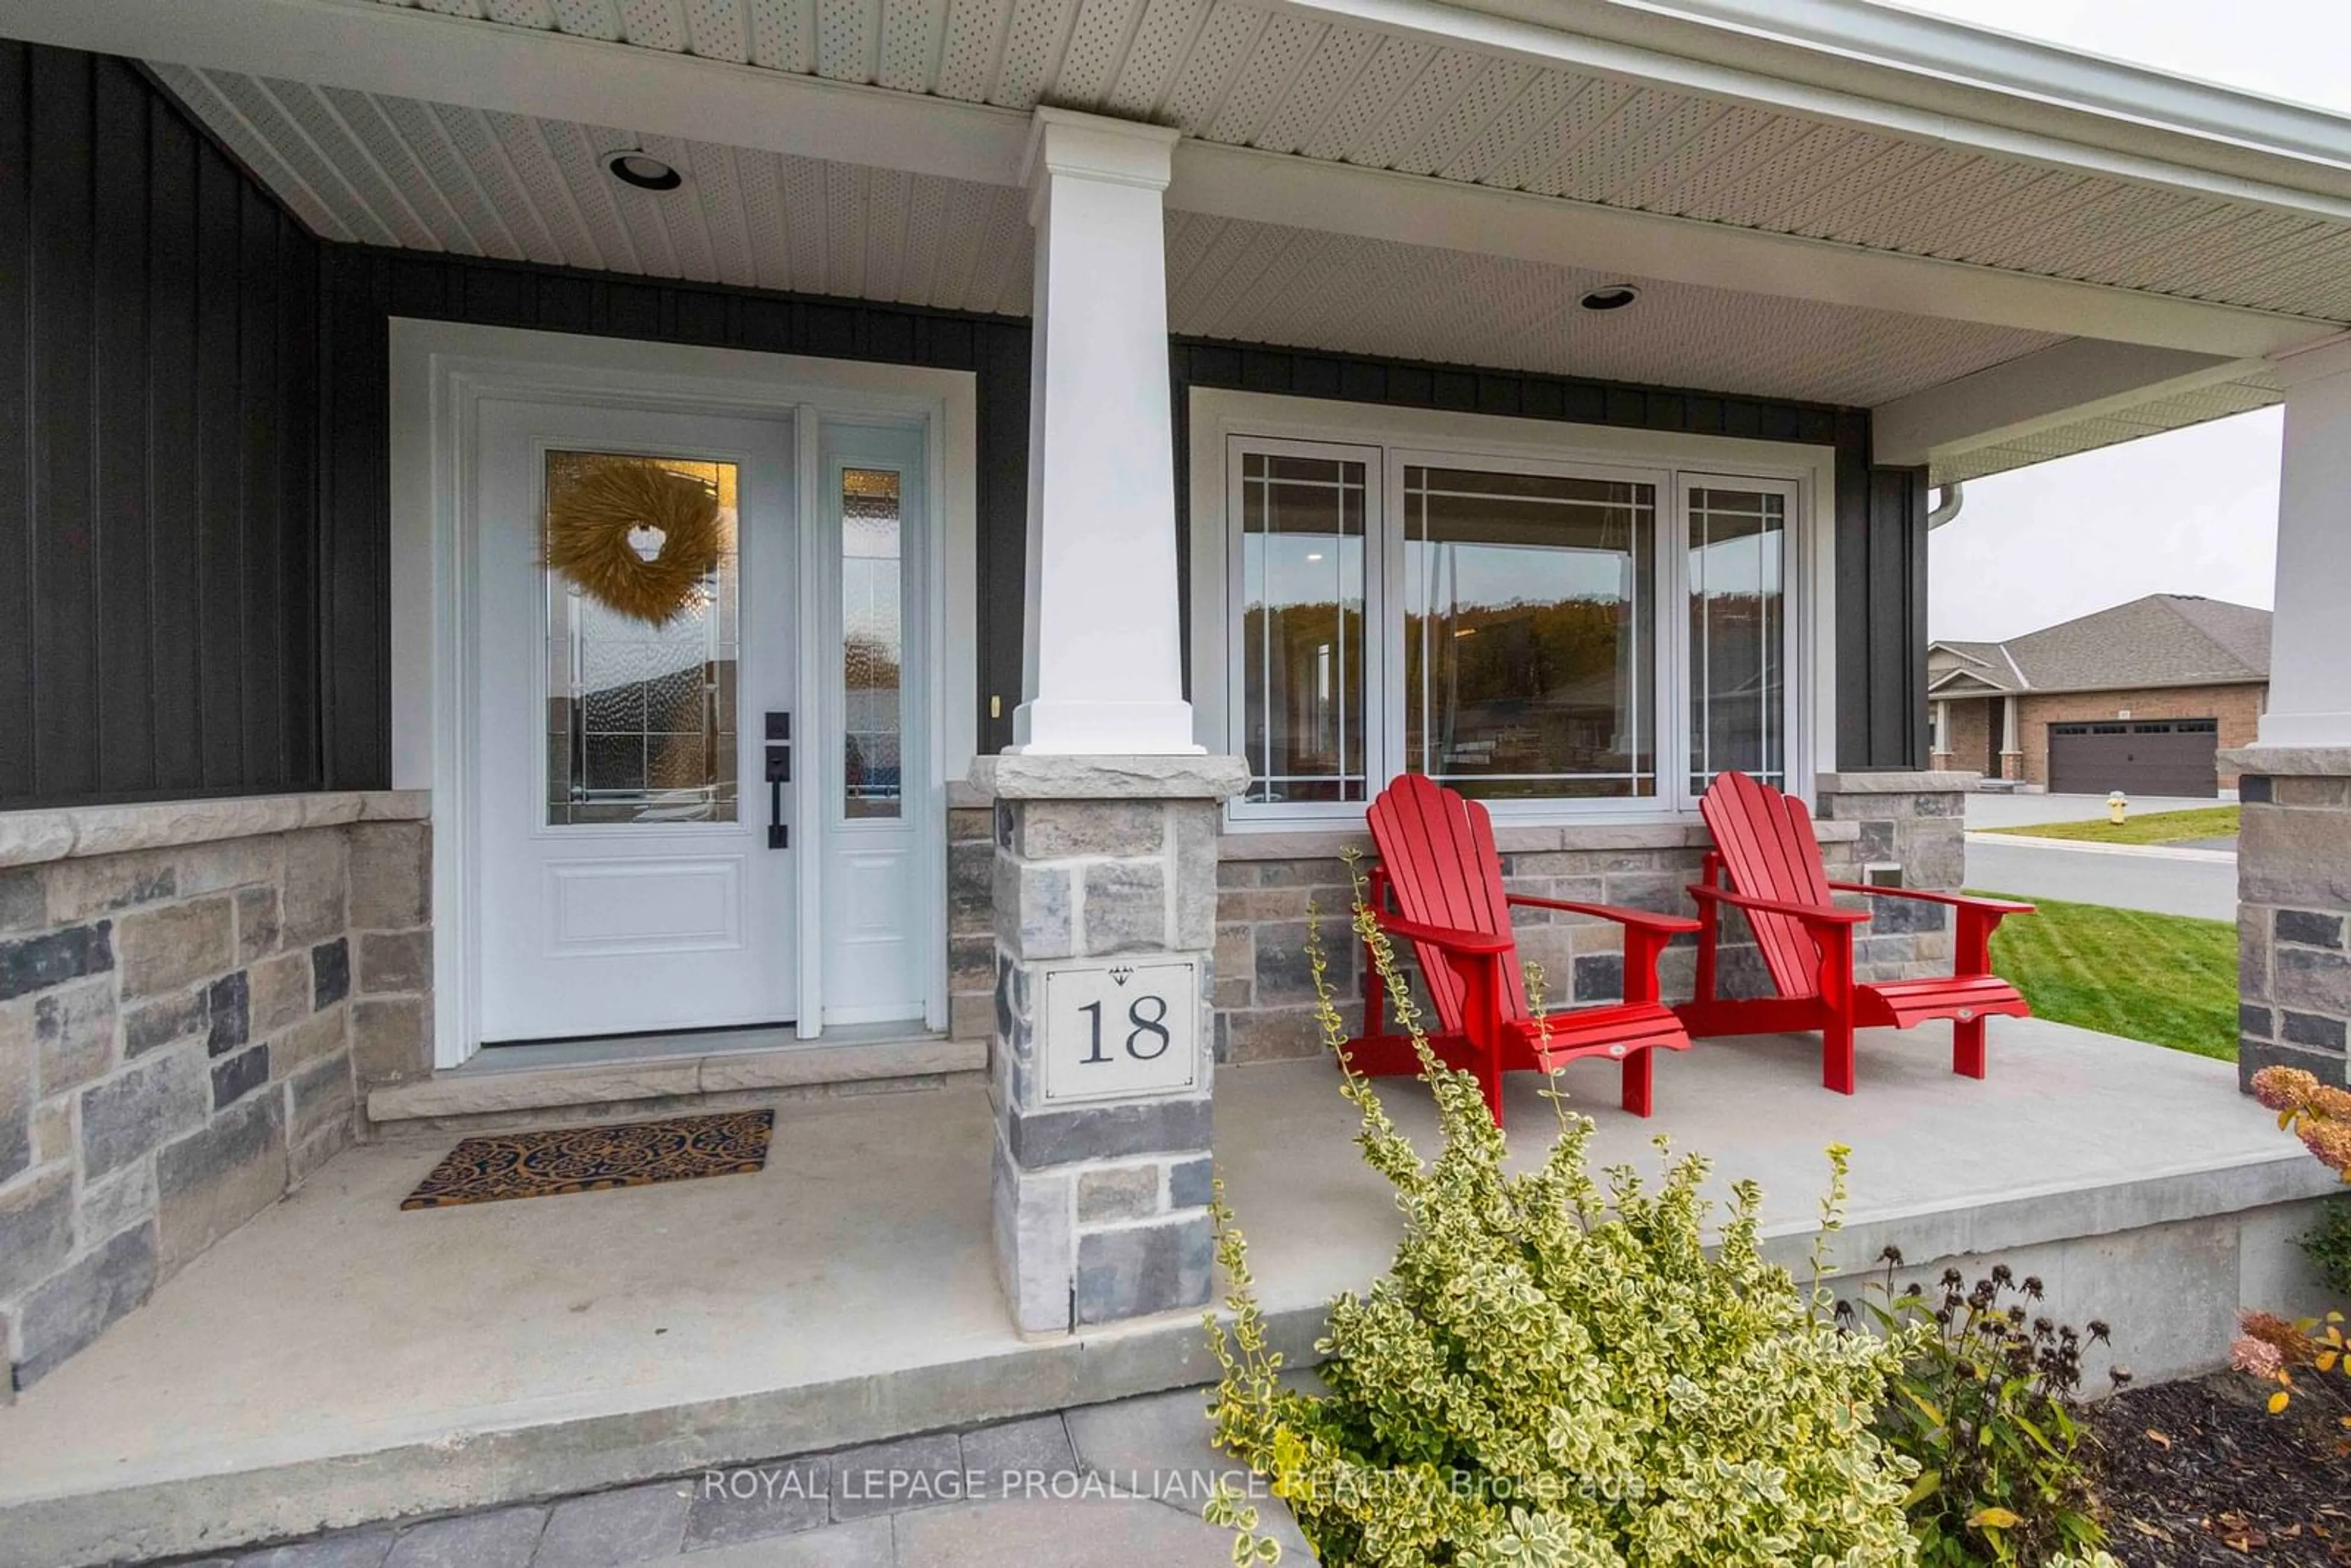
(1222, 424)
(1677, 568)
(1372, 680)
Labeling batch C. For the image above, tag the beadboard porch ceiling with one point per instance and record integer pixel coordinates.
(1567, 116)
(433, 176)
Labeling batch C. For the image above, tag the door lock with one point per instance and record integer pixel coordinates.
(778, 773)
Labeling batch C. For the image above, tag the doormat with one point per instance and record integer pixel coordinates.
(596, 1159)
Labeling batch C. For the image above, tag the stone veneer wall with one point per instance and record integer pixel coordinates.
(971, 913)
(2294, 893)
(1269, 882)
(185, 992)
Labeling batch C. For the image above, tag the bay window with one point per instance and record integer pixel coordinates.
(1558, 639)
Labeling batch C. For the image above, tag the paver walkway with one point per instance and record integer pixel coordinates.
(1107, 1485)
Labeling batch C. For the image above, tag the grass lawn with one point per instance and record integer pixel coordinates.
(2156, 978)
(2155, 828)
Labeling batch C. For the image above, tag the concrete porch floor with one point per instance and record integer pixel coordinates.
(338, 1361)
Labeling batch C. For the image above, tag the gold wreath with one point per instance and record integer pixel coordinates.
(590, 515)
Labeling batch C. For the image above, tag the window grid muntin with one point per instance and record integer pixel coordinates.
(1373, 683)
(1801, 485)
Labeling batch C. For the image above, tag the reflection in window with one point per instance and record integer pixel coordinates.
(1302, 626)
(873, 641)
(641, 715)
(1737, 551)
(1528, 665)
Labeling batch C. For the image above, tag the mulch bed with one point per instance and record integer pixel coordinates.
(2200, 1472)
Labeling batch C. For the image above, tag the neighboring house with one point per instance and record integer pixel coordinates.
(2141, 697)
(1140, 429)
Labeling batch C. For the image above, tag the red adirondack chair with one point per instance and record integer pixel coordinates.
(1438, 864)
(1764, 845)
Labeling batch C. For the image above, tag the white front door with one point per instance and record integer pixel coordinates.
(633, 681)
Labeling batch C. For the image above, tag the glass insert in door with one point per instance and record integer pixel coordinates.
(643, 632)
(873, 643)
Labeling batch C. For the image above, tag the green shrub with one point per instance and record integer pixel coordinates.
(1557, 1371)
(2329, 1247)
(1983, 1407)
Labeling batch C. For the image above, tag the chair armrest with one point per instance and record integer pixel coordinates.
(1663, 924)
(1448, 939)
(1811, 914)
(1924, 895)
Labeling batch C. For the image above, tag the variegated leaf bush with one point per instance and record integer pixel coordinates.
(1561, 1370)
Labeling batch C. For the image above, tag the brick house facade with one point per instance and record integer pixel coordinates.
(2163, 658)
(1969, 740)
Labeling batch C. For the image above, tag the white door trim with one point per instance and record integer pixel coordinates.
(440, 370)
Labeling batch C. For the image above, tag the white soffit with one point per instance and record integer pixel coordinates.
(423, 176)
(2259, 389)
(398, 172)
(1329, 88)
(1254, 282)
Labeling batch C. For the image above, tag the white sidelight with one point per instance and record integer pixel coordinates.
(1102, 672)
(2310, 658)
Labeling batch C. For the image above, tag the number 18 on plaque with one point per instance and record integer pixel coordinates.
(1119, 1030)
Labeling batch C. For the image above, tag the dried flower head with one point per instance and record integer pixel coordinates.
(2257, 1357)
(2283, 1088)
(2292, 1342)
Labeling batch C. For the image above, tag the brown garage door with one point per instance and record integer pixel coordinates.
(2148, 757)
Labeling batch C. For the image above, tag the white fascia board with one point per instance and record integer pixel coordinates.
(1875, 68)
(2083, 378)
(1376, 203)
(406, 53)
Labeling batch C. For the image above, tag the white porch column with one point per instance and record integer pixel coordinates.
(2294, 858)
(2011, 745)
(1102, 669)
(2310, 657)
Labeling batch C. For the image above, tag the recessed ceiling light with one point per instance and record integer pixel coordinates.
(645, 172)
(1613, 296)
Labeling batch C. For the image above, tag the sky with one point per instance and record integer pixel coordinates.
(2189, 512)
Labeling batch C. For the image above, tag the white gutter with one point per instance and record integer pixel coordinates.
(1954, 495)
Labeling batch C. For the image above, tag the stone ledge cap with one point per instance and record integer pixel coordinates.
(1893, 783)
(2289, 761)
(33, 838)
(1509, 837)
(1057, 776)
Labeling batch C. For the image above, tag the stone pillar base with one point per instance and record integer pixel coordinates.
(1915, 820)
(1105, 879)
(2293, 904)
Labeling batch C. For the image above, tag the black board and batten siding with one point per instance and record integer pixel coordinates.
(159, 626)
(366, 287)
(195, 456)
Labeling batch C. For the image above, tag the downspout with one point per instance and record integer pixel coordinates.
(1954, 495)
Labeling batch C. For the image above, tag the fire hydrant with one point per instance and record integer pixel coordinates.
(2117, 808)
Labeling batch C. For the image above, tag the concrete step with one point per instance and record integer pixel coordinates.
(526, 1084)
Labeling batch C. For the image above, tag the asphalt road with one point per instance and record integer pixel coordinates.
(2204, 889)
(2164, 884)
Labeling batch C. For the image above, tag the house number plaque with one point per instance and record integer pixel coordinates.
(1121, 1030)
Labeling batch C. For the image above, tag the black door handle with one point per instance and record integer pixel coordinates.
(779, 774)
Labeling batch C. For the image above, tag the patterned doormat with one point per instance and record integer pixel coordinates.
(593, 1159)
